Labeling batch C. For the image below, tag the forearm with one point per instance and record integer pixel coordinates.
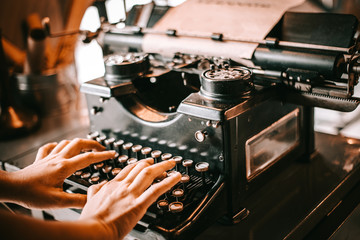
(23, 227)
(9, 188)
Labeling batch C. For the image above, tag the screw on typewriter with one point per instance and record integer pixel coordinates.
(225, 83)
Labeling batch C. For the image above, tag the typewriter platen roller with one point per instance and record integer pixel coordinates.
(230, 126)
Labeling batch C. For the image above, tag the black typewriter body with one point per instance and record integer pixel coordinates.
(229, 136)
(245, 131)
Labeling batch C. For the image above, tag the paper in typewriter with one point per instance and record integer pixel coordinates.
(235, 19)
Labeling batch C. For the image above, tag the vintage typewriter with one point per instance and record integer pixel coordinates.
(229, 125)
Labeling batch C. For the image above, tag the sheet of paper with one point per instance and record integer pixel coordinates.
(235, 19)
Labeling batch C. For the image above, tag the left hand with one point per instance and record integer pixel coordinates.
(40, 184)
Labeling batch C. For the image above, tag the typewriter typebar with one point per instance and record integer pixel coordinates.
(229, 126)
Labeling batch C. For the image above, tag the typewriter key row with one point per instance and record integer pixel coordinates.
(129, 153)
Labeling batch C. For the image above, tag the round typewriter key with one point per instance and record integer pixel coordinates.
(136, 149)
(94, 179)
(178, 192)
(85, 175)
(109, 143)
(118, 144)
(162, 204)
(177, 160)
(132, 160)
(146, 151)
(98, 166)
(185, 178)
(113, 161)
(176, 207)
(169, 173)
(78, 173)
(127, 147)
(166, 156)
(123, 159)
(106, 169)
(202, 166)
(101, 139)
(93, 135)
(156, 155)
(187, 163)
(115, 171)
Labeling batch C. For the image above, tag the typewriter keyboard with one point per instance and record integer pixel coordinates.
(194, 183)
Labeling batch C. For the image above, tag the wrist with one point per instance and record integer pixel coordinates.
(9, 187)
(97, 229)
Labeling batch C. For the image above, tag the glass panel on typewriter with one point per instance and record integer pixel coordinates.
(269, 145)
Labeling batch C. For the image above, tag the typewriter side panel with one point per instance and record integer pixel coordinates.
(259, 143)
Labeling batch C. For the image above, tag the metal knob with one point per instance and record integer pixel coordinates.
(200, 135)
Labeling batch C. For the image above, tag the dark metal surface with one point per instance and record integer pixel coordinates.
(301, 197)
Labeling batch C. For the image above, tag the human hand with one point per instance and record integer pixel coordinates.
(119, 204)
(40, 184)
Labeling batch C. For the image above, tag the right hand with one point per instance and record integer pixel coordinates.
(119, 204)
